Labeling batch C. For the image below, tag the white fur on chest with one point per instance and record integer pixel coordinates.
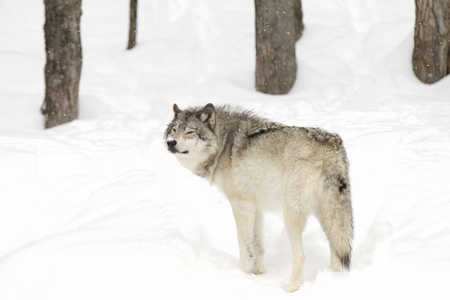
(263, 187)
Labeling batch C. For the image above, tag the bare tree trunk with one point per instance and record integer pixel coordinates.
(431, 56)
(276, 66)
(133, 24)
(299, 26)
(64, 59)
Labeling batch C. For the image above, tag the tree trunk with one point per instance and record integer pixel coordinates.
(133, 24)
(299, 26)
(431, 56)
(276, 67)
(63, 67)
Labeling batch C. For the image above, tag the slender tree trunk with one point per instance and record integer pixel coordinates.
(431, 56)
(299, 26)
(276, 67)
(64, 59)
(133, 24)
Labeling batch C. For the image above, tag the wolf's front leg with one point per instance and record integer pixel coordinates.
(259, 242)
(249, 232)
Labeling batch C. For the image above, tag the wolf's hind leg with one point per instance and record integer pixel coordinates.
(295, 220)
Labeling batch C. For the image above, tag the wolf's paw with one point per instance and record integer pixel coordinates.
(259, 267)
(290, 288)
(336, 268)
(252, 268)
(258, 272)
(252, 264)
(248, 264)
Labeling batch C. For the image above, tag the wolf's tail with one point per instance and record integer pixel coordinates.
(336, 215)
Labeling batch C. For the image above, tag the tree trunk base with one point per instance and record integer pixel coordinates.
(431, 56)
(64, 59)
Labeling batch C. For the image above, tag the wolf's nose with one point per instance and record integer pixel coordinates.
(172, 143)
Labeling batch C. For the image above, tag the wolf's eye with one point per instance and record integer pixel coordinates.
(174, 130)
(190, 132)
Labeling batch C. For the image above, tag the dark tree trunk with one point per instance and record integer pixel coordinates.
(276, 67)
(63, 67)
(133, 24)
(431, 56)
(299, 26)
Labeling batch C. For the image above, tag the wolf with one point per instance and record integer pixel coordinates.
(259, 164)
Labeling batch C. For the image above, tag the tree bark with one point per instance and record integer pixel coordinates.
(64, 59)
(299, 26)
(133, 24)
(431, 56)
(276, 66)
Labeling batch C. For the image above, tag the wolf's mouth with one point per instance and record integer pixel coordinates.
(175, 151)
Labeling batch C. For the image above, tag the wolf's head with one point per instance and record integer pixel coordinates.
(191, 135)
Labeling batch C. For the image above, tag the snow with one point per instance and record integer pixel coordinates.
(99, 209)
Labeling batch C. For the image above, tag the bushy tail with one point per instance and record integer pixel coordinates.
(336, 215)
(337, 222)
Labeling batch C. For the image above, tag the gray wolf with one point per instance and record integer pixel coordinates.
(260, 164)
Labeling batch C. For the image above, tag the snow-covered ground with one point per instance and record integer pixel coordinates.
(98, 209)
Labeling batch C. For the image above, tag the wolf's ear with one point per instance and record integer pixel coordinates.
(176, 109)
(208, 115)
